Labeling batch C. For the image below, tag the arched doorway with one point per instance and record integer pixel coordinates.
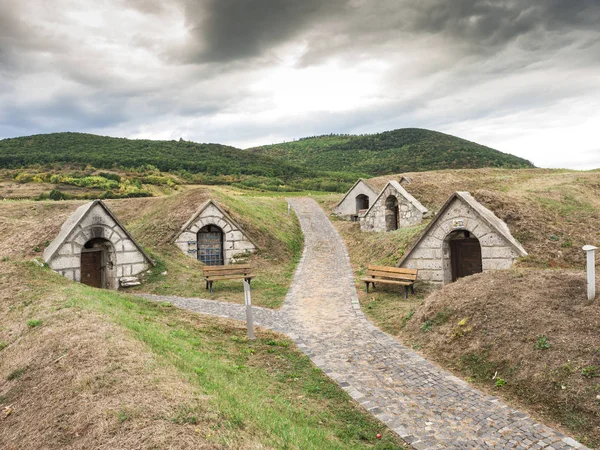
(97, 263)
(465, 254)
(362, 202)
(210, 245)
(391, 213)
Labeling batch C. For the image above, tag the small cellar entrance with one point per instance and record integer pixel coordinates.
(465, 255)
(210, 245)
(362, 202)
(95, 260)
(391, 213)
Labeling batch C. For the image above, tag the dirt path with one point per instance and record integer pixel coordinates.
(427, 406)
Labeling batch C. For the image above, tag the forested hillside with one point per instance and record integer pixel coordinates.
(198, 163)
(403, 150)
(119, 167)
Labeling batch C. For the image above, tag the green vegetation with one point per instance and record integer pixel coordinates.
(189, 161)
(326, 163)
(266, 389)
(542, 343)
(15, 374)
(403, 150)
(33, 323)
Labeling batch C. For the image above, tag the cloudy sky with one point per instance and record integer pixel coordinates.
(522, 76)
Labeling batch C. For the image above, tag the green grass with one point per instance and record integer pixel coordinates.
(34, 323)
(274, 264)
(16, 374)
(266, 387)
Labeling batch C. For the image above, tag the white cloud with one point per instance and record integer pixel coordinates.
(524, 83)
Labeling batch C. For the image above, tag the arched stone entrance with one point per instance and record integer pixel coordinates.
(391, 213)
(462, 255)
(98, 263)
(362, 202)
(210, 245)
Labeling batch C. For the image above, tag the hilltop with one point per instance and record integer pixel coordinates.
(79, 165)
(402, 150)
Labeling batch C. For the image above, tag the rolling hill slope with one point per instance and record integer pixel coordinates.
(403, 150)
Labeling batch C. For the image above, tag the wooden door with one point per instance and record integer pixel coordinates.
(466, 257)
(210, 246)
(91, 268)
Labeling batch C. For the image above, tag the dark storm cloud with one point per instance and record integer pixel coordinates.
(227, 30)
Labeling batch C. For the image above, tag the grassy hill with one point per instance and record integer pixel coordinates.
(86, 368)
(485, 328)
(192, 162)
(403, 150)
(78, 165)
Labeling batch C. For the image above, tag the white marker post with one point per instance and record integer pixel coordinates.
(248, 301)
(289, 208)
(591, 270)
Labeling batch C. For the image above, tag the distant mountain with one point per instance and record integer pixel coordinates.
(403, 150)
(328, 163)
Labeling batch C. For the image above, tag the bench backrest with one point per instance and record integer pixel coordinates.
(396, 273)
(231, 269)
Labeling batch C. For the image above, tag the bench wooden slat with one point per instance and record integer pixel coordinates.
(400, 270)
(233, 267)
(228, 277)
(227, 272)
(399, 276)
(380, 280)
(391, 275)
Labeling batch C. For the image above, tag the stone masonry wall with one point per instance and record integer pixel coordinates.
(348, 207)
(128, 260)
(236, 243)
(375, 219)
(432, 255)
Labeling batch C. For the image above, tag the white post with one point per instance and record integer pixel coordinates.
(248, 301)
(289, 208)
(591, 270)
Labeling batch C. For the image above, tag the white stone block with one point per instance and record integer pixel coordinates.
(498, 252)
(427, 253)
(138, 268)
(244, 245)
(66, 250)
(65, 262)
(492, 240)
(496, 264)
(129, 246)
(430, 264)
(130, 257)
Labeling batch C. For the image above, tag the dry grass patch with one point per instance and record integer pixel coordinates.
(107, 370)
(553, 213)
(528, 335)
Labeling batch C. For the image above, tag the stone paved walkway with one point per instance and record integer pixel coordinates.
(427, 406)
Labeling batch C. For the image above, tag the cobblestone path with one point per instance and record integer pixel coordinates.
(427, 406)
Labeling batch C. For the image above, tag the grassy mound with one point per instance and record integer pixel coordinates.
(86, 368)
(403, 150)
(553, 213)
(155, 221)
(529, 335)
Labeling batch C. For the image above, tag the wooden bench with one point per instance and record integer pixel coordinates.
(391, 275)
(228, 272)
